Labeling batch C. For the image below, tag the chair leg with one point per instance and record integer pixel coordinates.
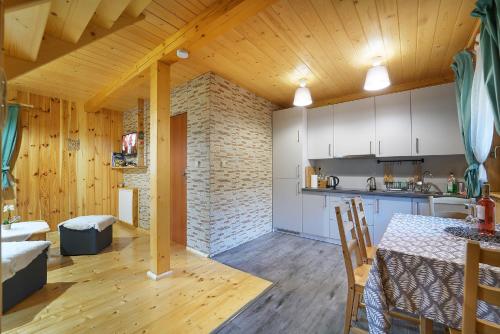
(357, 300)
(348, 310)
(425, 325)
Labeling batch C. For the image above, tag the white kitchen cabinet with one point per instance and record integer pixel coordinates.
(287, 205)
(435, 129)
(393, 125)
(320, 133)
(421, 206)
(385, 208)
(288, 133)
(354, 128)
(316, 214)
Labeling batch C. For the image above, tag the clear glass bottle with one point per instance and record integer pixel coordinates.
(486, 212)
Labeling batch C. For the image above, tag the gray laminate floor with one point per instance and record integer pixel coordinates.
(309, 291)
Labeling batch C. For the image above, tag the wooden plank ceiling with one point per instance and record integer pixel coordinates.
(330, 42)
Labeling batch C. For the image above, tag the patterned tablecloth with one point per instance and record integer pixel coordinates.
(419, 268)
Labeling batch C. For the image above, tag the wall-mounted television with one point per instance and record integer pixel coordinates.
(129, 144)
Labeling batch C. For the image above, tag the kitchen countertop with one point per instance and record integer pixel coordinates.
(409, 194)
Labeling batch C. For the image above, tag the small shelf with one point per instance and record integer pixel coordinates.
(130, 167)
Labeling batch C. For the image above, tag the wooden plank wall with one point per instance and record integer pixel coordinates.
(54, 182)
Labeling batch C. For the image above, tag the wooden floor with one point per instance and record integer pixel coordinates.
(309, 291)
(109, 293)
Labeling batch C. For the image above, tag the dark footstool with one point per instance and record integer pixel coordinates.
(84, 242)
(25, 282)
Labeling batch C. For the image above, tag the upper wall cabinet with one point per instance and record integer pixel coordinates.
(435, 129)
(354, 128)
(288, 138)
(393, 125)
(320, 133)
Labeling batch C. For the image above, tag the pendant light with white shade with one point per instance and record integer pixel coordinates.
(377, 77)
(302, 95)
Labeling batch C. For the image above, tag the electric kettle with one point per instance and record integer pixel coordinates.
(332, 181)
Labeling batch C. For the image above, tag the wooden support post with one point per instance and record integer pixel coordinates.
(140, 132)
(160, 170)
(3, 108)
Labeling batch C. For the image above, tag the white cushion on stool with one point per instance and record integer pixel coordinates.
(99, 222)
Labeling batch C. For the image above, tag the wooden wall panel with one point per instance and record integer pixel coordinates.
(53, 181)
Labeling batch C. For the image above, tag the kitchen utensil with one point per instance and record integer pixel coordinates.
(309, 173)
(372, 184)
(333, 181)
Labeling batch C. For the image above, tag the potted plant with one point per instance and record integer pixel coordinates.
(7, 223)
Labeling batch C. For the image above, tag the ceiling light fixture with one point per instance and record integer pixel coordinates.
(377, 77)
(182, 53)
(302, 95)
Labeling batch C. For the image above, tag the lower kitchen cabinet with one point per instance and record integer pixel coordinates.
(316, 215)
(287, 205)
(385, 208)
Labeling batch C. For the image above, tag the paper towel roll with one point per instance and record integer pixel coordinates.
(314, 181)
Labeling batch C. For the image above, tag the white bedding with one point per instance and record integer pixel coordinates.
(22, 231)
(17, 255)
(86, 222)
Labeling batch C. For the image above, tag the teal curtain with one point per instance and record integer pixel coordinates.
(9, 137)
(464, 73)
(489, 13)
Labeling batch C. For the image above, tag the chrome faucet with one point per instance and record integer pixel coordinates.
(425, 187)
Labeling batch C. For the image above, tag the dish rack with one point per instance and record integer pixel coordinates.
(400, 186)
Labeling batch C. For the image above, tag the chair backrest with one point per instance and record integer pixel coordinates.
(457, 204)
(473, 290)
(350, 247)
(362, 228)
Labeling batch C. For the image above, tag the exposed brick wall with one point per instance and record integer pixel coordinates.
(229, 182)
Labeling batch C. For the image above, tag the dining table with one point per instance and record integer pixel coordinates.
(419, 269)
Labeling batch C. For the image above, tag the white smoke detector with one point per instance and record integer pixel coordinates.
(183, 54)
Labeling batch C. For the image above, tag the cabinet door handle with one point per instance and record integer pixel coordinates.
(417, 145)
(298, 188)
(325, 201)
(298, 136)
(379, 147)
(329, 150)
(370, 147)
(378, 206)
(298, 171)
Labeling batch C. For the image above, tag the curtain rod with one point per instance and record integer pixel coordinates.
(21, 104)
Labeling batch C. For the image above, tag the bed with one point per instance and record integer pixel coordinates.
(32, 230)
(86, 235)
(24, 270)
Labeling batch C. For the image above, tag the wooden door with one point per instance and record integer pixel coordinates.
(178, 164)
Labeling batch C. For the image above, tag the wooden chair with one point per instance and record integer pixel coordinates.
(458, 203)
(365, 242)
(473, 290)
(357, 273)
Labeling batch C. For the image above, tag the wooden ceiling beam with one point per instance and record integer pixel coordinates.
(391, 89)
(109, 11)
(222, 16)
(15, 5)
(136, 7)
(53, 48)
